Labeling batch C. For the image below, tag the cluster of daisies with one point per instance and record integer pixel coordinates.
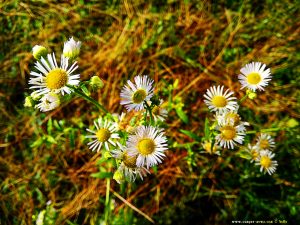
(134, 139)
(50, 80)
(229, 128)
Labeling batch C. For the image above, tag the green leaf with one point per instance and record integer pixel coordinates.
(51, 140)
(56, 125)
(182, 115)
(100, 161)
(72, 138)
(244, 154)
(102, 175)
(37, 143)
(49, 126)
(206, 129)
(85, 90)
(191, 134)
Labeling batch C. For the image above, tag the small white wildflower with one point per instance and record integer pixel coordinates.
(265, 142)
(134, 95)
(254, 76)
(218, 100)
(229, 134)
(52, 77)
(71, 48)
(48, 102)
(266, 163)
(148, 144)
(158, 112)
(128, 165)
(105, 133)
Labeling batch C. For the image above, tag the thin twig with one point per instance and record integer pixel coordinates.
(132, 206)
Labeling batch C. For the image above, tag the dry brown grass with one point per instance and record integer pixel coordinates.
(188, 42)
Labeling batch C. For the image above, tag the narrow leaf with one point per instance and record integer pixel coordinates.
(102, 175)
(182, 115)
(191, 135)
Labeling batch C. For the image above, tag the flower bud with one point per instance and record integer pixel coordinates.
(96, 82)
(71, 49)
(251, 94)
(107, 155)
(39, 51)
(118, 176)
(28, 102)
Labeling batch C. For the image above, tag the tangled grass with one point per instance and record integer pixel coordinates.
(44, 155)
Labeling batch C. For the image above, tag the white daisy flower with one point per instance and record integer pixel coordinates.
(254, 76)
(266, 163)
(71, 48)
(265, 142)
(229, 134)
(148, 144)
(253, 151)
(48, 102)
(216, 100)
(53, 78)
(134, 95)
(104, 135)
(234, 117)
(128, 165)
(158, 112)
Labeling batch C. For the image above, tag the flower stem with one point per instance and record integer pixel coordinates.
(273, 129)
(87, 98)
(107, 201)
(150, 113)
(243, 98)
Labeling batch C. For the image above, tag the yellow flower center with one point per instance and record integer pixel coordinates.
(254, 154)
(265, 161)
(56, 79)
(129, 161)
(231, 116)
(219, 101)
(254, 78)
(228, 132)
(264, 144)
(146, 146)
(155, 110)
(103, 134)
(139, 96)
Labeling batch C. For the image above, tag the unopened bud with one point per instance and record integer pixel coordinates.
(96, 82)
(118, 176)
(107, 155)
(251, 94)
(28, 102)
(39, 51)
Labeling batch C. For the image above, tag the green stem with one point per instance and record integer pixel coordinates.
(274, 129)
(243, 98)
(89, 99)
(150, 113)
(107, 202)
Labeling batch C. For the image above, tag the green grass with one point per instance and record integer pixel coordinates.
(44, 155)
